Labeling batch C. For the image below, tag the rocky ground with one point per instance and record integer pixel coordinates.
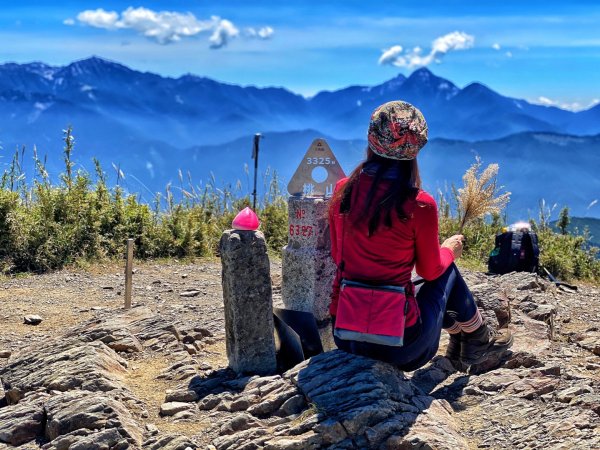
(93, 376)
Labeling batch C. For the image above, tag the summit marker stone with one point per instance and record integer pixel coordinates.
(307, 267)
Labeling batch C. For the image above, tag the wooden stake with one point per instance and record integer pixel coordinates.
(128, 273)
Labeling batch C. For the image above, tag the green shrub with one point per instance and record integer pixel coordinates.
(44, 226)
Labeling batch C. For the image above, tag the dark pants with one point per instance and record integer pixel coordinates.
(442, 302)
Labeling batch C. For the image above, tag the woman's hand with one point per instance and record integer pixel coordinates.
(455, 243)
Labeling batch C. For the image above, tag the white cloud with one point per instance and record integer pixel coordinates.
(223, 33)
(266, 32)
(456, 40)
(570, 106)
(509, 54)
(166, 27)
(69, 22)
(391, 54)
(545, 101)
(496, 46)
(98, 18)
(260, 33)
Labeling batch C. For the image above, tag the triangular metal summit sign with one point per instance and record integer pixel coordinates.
(318, 172)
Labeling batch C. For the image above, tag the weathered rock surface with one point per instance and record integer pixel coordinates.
(62, 366)
(537, 399)
(591, 342)
(169, 442)
(128, 331)
(23, 422)
(334, 400)
(342, 401)
(78, 382)
(172, 408)
(77, 410)
(84, 439)
(543, 393)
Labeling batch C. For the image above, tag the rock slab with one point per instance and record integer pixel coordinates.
(77, 410)
(332, 401)
(62, 365)
(23, 422)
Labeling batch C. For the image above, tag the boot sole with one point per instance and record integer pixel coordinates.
(482, 358)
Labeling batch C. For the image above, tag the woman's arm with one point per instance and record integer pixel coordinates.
(432, 260)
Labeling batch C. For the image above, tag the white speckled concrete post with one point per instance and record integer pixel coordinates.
(247, 295)
(307, 267)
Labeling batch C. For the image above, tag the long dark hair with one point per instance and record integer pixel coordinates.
(400, 188)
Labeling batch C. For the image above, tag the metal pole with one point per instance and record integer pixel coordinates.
(255, 149)
(128, 273)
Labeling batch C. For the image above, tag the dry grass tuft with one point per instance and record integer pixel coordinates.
(479, 195)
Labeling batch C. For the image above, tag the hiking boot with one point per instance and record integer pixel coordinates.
(483, 343)
(453, 351)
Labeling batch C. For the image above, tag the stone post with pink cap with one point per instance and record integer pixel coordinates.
(247, 297)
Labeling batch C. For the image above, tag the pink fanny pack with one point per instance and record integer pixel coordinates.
(375, 314)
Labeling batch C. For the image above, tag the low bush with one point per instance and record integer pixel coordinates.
(44, 226)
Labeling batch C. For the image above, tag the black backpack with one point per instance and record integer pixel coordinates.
(515, 251)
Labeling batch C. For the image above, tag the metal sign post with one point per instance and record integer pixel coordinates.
(255, 149)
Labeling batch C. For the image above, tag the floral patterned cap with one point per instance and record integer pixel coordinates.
(397, 131)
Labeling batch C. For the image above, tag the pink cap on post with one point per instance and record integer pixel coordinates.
(246, 220)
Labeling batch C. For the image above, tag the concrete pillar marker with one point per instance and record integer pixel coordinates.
(307, 267)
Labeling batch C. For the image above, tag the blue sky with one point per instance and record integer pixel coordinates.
(542, 51)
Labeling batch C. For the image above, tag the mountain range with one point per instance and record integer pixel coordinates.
(151, 126)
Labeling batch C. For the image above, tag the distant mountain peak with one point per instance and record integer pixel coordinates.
(95, 64)
(400, 76)
(427, 82)
(423, 72)
(424, 76)
(97, 60)
(477, 87)
(393, 84)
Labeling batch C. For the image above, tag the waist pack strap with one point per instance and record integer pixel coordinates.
(385, 287)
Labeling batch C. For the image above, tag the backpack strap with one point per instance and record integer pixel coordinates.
(557, 282)
(515, 249)
(535, 245)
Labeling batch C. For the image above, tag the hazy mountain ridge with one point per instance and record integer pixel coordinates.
(533, 166)
(578, 225)
(192, 110)
(152, 126)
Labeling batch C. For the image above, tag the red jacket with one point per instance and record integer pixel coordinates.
(390, 254)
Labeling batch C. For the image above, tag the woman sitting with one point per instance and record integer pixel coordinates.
(382, 227)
